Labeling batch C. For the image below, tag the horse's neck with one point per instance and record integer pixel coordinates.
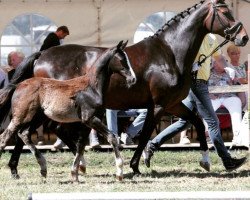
(100, 79)
(185, 37)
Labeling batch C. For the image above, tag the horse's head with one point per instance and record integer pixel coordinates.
(220, 21)
(125, 68)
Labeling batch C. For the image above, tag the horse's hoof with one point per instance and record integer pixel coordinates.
(15, 176)
(74, 176)
(119, 178)
(137, 173)
(44, 173)
(205, 165)
(82, 169)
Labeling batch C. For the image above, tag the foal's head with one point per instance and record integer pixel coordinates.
(220, 21)
(124, 69)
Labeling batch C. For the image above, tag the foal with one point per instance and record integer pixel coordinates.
(78, 99)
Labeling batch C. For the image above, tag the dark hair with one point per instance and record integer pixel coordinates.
(64, 29)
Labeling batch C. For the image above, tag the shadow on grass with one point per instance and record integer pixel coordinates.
(179, 173)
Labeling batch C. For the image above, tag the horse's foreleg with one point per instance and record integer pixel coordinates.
(147, 130)
(15, 156)
(183, 112)
(96, 124)
(40, 159)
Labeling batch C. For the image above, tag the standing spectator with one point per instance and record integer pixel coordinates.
(199, 97)
(54, 39)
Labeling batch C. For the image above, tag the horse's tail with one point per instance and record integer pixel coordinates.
(25, 69)
(22, 72)
(5, 101)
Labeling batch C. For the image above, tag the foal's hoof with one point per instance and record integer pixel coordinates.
(205, 165)
(82, 169)
(119, 178)
(74, 176)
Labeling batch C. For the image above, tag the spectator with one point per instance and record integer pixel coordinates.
(240, 71)
(230, 101)
(199, 97)
(14, 59)
(133, 129)
(53, 39)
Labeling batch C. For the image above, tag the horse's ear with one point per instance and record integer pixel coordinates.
(119, 46)
(124, 45)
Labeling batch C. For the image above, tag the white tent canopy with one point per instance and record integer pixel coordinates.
(103, 22)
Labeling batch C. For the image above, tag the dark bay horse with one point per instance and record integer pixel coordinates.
(162, 64)
(73, 100)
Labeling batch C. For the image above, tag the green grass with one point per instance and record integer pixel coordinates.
(170, 171)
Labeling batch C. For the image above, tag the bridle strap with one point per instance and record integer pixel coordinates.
(215, 14)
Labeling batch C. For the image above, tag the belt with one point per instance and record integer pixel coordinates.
(200, 81)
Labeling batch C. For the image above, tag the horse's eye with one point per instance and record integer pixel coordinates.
(228, 15)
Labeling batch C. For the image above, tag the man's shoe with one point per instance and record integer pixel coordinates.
(126, 139)
(185, 140)
(93, 140)
(59, 144)
(148, 153)
(233, 163)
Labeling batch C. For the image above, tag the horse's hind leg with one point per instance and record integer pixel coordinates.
(78, 157)
(6, 135)
(96, 124)
(15, 156)
(40, 159)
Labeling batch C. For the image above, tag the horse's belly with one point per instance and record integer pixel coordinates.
(61, 113)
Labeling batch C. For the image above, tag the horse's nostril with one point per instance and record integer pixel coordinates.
(245, 38)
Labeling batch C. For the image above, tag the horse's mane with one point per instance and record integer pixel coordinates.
(176, 18)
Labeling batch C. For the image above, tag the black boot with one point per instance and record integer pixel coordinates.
(149, 152)
(233, 163)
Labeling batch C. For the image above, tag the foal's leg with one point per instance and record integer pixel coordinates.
(69, 133)
(40, 159)
(6, 135)
(96, 124)
(78, 157)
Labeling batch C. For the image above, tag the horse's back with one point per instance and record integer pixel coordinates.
(68, 61)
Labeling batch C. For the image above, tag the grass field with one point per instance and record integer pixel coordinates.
(170, 171)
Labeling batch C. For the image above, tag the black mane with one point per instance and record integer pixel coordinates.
(177, 18)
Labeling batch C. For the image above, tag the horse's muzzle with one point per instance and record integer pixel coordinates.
(241, 41)
(130, 81)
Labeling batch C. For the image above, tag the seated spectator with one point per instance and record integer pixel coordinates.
(240, 70)
(230, 101)
(6, 72)
(133, 129)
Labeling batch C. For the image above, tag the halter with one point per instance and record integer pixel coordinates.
(230, 33)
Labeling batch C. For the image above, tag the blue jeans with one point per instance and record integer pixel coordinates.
(198, 97)
(134, 128)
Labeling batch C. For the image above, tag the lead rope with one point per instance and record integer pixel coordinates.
(202, 59)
